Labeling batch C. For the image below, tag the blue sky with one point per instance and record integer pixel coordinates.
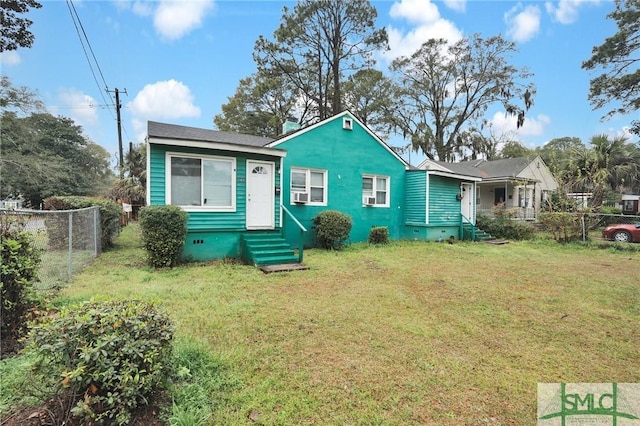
(179, 61)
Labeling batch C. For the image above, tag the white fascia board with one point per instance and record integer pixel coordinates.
(454, 176)
(220, 146)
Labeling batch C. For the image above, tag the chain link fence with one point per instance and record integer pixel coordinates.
(69, 240)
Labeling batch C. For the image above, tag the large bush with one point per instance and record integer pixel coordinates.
(564, 227)
(18, 272)
(108, 357)
(332, 228)
(504, 227)
(110, 213)
(164, 229)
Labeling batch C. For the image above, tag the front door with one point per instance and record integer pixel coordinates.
(260, 195)
(466, 204)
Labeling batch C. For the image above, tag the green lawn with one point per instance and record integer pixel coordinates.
(409, 333)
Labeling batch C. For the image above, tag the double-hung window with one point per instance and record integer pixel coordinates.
(201, 183)
(375, 190)
(311, 182)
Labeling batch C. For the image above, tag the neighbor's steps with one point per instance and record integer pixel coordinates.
(266, 248)
(480, 234)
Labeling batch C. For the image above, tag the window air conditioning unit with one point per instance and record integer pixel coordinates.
(301, 197)
(368, 201)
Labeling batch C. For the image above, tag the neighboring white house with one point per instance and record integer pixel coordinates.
(518, 184)
(630, 204)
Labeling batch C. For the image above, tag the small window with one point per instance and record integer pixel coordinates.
(311, 182)
(375, 190)
(347, 123)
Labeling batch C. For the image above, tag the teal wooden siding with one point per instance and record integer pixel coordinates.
(346, 155)
(416, 196)
(444, 209)
(211, 235)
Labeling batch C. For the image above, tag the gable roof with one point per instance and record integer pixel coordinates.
(303, 130)
(172, 134)
(506, 168)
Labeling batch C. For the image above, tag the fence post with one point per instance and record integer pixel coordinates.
(69, 267)
(584, 231)
(95, 231)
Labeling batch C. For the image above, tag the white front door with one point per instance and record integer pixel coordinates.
(260, 195)
(466, 206)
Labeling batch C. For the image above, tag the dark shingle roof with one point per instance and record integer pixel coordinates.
(461, 168)
(172, 131)
(505, 168)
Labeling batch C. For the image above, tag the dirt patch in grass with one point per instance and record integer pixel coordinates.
(56, 412)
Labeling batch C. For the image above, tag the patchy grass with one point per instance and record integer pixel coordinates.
(406, 333)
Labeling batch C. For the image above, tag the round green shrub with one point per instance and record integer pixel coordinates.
(332, 229)
(164, 229)
(111, 356)
(379, 235)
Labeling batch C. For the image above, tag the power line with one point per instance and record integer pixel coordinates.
(78, 25)
(77, 22)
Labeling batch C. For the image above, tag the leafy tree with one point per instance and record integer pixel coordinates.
(367, 94)
(317, 44)
(43, 155)
(261, 105)
(620, 81)
(15, 29)
(132, 187)
(20, 100)
(514, 149)
(441, 89)
(557, 154)
(605, 166)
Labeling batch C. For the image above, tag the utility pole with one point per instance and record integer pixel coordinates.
(118, 106)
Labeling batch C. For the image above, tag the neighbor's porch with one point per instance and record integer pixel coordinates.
(520, 199)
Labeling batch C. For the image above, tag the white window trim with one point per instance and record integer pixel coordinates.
(388, 191)
(232, 160)
(307, 171)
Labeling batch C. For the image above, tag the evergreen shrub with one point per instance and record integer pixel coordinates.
(164, 229)
(332, 229)
(109, 357)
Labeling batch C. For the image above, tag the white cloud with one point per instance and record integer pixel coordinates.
(168, 99)
(457, 5)
(80, 107)
(415, 11)
(164, 99)
(173, 19)
(10, 58)
(523, 23)
(533, 126)
(428, 24)
(566, 11)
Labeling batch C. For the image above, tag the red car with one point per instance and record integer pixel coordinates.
(622, 232)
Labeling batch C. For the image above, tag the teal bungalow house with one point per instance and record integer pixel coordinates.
(254, 197)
